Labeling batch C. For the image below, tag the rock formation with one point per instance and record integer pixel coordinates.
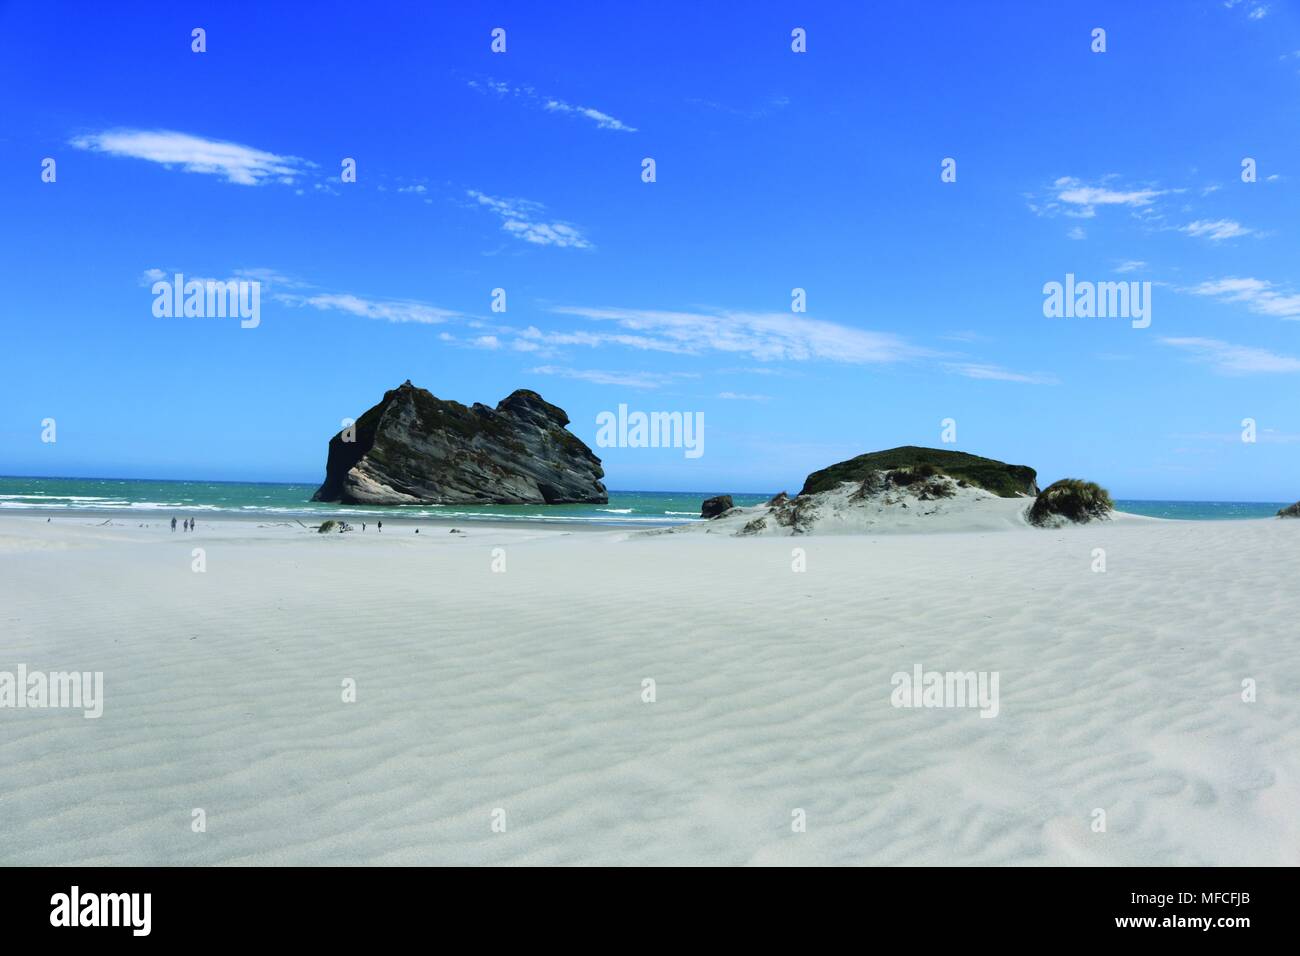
(905, 489)
(415, 448)
(713, 507)
(1005, 481)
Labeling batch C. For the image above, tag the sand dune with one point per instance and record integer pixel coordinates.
(521, 690)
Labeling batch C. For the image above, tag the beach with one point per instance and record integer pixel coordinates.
(502, 714)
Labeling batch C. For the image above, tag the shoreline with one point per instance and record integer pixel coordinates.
(152, 516)
(121, 518)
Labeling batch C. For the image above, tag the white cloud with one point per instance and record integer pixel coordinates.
(1258, 295)
(552, 104)
(393, 310)
(238, 164)
(1131, 265)
(1230, 359)
(551, 340)
(998, 374)
(268, 279)
(1215, 230)
(1254, 10)
(1076, 233)
(520, 218)
(765, 336)
(628, 379)
(743, 397)
(547, 234)
(602, 120)
(1075, 192)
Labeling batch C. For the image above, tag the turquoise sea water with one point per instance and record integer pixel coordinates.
(214, 498)
(186, 498)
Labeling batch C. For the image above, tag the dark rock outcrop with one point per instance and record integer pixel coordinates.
(1290, 511)
(1006, 481)
(415, 448)
(716, 506)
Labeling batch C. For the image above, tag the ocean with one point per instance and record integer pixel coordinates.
(252, 499)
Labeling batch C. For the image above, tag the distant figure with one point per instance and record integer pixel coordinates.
(381, 526)
(363, 526)
(192, 528)
(417, 530)
(173, 524)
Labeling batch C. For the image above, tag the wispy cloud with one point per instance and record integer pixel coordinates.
(744, 397)
(1131, 265)
(766, 336)
(522, 218)
(553, 340)
(387, 310)
(996, 373)
(1254, 10)
(551, 104)
(1229, 359)
(1216, 230)
(1258, 295)
(769, 106)
(964, 335)
(296, 293)
(193, 154)
(602, 120)
(645, 380)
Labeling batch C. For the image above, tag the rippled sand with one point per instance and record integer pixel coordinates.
(522, 691)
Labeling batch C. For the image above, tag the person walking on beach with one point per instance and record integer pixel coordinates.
(380, 526)
(173, 524)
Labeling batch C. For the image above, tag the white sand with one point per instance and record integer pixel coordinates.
(522, 690)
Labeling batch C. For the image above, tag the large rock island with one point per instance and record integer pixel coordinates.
(415, 448)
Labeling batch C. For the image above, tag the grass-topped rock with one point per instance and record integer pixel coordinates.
(911, 463)
(1070, 500)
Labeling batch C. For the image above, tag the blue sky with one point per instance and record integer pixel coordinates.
(775, 170)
